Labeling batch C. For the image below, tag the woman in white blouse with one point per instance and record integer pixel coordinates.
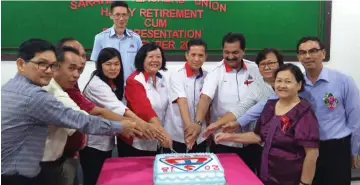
(106, 89)
(146, 92)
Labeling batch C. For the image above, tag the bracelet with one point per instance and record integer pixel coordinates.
(301, 182)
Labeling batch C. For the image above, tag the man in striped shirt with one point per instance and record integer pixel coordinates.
(27, 109)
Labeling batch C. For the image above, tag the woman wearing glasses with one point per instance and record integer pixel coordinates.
(268, 60)
(289, 131)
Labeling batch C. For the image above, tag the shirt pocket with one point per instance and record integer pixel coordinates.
(130, 56)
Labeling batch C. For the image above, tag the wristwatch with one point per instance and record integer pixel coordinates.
(198, 122)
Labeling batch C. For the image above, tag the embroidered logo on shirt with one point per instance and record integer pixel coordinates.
(132, 46)
(249, 80)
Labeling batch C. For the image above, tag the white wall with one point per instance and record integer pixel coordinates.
(345, 45)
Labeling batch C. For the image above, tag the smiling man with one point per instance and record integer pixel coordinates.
(66, 74)
(27, 110)
(118, 36)
(335, 100)
(185, 87)
(226, 85)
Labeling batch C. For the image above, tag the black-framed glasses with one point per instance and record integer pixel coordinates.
(44, 65)
(269, 64)
(311, 52)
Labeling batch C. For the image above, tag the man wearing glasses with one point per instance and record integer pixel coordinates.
(335, 100)
(27, 110)
(118, 36)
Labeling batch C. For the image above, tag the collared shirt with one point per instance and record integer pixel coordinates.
(57, 136)
(147, 100)
(26, 111)
(226, 87)
(258, 90)
(128, 45)
(337, 123)
(183, 84)
(102, 95)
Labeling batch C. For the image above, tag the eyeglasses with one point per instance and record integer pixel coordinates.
(311, 52)
(118, 15)
(43, 65)
(270, 64)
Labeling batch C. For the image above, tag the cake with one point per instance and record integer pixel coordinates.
(188, 168)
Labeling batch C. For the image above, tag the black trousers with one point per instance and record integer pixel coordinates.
(91, 161)
(333, 166)
(51, 172)
(181, 148)
(126, 150)
(18, 180)
(250, 154)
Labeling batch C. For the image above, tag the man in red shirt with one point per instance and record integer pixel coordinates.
(78, 140)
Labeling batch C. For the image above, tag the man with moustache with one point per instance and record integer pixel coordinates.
(226, 85)
(119, 37)
(335, 100)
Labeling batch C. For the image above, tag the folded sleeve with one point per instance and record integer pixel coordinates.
(307, 130)
(210, 84)
(177, 88)
(137, 100)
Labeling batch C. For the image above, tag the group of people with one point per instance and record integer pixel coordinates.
(289, 127)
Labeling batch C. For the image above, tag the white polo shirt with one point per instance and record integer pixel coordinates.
(183, 84)
(147, 101)
(57, 136)
(101, 94)
(226, 87)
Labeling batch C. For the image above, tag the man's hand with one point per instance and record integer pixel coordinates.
(211, 129)
(130, 128)
(219, 137)
(355, 162)
(192, 132)
(230, 127)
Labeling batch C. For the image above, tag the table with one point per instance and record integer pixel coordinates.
(139, 171)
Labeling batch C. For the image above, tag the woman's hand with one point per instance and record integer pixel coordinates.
(219, 137)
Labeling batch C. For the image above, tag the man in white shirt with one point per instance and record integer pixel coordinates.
(65, 75)
(119, 37)
(226, 85)
(185, 87)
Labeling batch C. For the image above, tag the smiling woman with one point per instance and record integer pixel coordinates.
(146, 92)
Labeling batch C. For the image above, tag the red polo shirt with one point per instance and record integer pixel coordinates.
(77, 140)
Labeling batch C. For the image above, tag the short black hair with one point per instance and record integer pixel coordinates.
(296, 71)
(105, 55)
(119, 3)
(29, 48)
(232, 37)
(63, 40)
(262, 55)
(196, 42)
(310, 38)
(60, 53)
(142, 53)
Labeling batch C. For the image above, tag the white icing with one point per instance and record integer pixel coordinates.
(202, 168)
